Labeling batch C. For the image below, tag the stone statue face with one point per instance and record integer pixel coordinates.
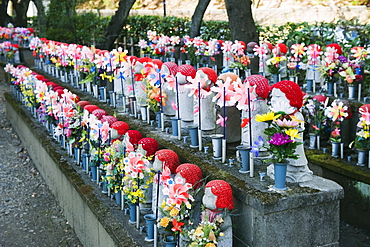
(114, 133)
(178, 175)
(181, 79)
(157, 165)
(141, 150)
(209, 199)
(203, 75)
(279, 102)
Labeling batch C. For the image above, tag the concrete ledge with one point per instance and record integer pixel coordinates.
(258, 217)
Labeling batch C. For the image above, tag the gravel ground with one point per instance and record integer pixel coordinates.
(29, 213)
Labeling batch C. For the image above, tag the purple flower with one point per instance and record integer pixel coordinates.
(279, 139)
(343, 59)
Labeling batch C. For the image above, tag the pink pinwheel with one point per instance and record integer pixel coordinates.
(313, 53)
(238, 48)
(330, 54)
(241, 95)
(143, 44)
(260, 51)
(135, 167)
(68, 97)
(224, 93)
(365, 115)
(171, 82)
(227, 46)
(221, 120)
(195, 88)
(104, 131)
(177, 195)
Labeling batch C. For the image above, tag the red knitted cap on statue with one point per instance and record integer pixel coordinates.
(109, 119)
(292, 91)
(192, 174)
(320, 98)
(337, 47)
(83, 103)
(169, 159)
(212, 75)
(99, 113)
(172, 67)
(282, 48)
(144, 60)
(224, 193)
(150, 145)
(187, 70)
(91, 108)
(263, 88)
(134, 136)
(157, 62)
(121, 127)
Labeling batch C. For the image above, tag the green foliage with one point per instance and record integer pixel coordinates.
(215, 30)
(90, 28)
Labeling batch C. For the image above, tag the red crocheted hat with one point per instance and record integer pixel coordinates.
(172, 67)
(320, 98)
(292, 91)
(99, 113)
(83, 103)
(187, 70)
(169, 159)
(263, 88)
(158, 62)
(121, 127)
(337, 47)
(150, 145)
(91, 108)
(134, 137)
(192, 174)
(109, 119)
(282, 48)
(212, 75)
(224, 193)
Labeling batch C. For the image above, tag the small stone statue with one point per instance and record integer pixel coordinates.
(118, 130)
(165, 160)
(218, 196)
(261, 90)
(147, 147)
(185, 102)
(287, 96)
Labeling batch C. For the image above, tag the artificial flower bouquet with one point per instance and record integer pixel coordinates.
(362, 140)
(273, 64)
(282, 132)
(176, 208)
(315, 109)
(240, 62)
(337, 112)
(206, 233)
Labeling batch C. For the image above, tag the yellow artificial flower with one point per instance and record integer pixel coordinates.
(294, 118)
(266, 117)
(210, 245)
(222, 234)
(174, 212)
(199, 232)
(293, 133)
(164, 222)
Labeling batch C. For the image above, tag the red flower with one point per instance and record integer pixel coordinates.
(177, 226)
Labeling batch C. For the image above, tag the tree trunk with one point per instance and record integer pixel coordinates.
(4, 17)
(196, 19)
(241, 21)
(116, 24)
(41, 17)
(20, 8)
